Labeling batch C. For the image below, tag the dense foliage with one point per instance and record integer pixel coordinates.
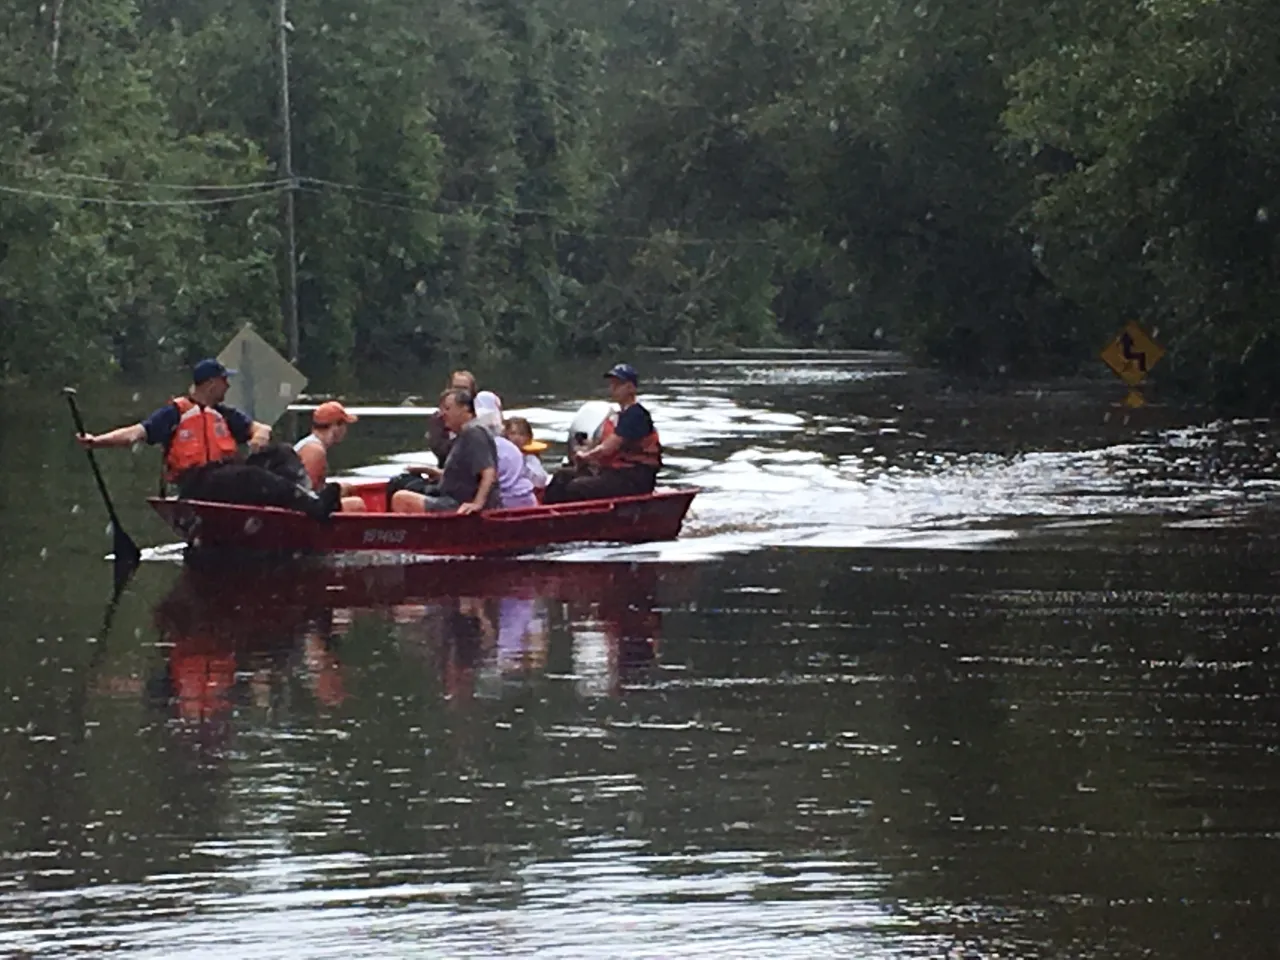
(996, 186)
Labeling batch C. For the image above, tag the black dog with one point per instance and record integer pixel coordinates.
(282, 460)
(273, 477)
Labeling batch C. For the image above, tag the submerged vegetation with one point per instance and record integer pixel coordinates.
(995, 186)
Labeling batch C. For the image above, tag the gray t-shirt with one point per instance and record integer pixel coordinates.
(473, 451)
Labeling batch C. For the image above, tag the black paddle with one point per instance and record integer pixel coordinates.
(127, 554)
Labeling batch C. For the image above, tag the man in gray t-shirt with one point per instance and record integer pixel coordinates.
(469, 480)
(473, 452)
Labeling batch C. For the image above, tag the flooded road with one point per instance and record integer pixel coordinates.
(932, 673)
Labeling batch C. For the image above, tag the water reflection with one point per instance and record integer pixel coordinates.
(225, 645)
(1063, 746)
(498, 632)
(253, 638)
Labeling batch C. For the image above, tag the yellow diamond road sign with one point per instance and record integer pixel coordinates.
(265, 382)
(1132, 354)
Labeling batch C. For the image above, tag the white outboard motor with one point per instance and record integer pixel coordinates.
(587, 424)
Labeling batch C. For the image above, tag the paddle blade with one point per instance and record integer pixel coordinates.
(127, 557)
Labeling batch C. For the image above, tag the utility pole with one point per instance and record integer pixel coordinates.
(286, 170)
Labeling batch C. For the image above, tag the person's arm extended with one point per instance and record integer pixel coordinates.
(119, 437)
(488, 477)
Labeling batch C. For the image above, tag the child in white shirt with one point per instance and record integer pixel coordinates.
(521, 434)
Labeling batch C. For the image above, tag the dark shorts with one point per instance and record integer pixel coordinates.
(440, 503)
(412, 482)
(570, 484)
(437, 502)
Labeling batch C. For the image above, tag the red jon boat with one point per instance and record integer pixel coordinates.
(655, 516)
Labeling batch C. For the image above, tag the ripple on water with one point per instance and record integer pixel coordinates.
(610, 898)
(778, 478)
(996, 753)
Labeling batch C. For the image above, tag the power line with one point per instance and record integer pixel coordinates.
(387, 205)
(270, 187)
(417, 203)
(680, 241)
(683, 241)
(120, 202)
(42, 173)
(396, 195)
(316, 191)
(297, 182)
(194, 187)
(497, 208)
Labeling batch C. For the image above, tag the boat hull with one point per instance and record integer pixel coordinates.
(226, 526)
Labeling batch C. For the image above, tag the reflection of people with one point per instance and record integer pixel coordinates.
(202, 673)
(324, 669)
(212, 642)
(629, 621)
(469, 480)
(194, 429)
(626, 460)
(329, 423)
(468, 637)
(521, 633)
(474, 640)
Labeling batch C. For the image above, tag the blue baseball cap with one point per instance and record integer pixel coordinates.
(209, 369)
(624, 371)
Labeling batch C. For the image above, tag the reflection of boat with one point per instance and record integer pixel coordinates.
(277, 592)
(224, 623)
(655, 516)
(210, 648)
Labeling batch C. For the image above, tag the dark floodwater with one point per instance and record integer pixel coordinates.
(932, 673)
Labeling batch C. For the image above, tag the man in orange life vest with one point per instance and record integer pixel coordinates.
(626, 460)
(194, 430)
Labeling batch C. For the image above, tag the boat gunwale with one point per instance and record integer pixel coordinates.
(541, 510)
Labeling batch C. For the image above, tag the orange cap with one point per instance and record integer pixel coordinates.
(331, 412)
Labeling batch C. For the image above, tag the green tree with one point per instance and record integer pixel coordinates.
(122, 274)
(1165, 209)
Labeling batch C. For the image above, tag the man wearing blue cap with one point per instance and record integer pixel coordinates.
(195, 429)
(626, 460)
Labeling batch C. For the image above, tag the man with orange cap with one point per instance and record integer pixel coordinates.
(329, 423)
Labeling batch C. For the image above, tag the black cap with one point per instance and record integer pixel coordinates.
(209, 370)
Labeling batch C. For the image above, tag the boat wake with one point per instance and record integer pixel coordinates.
(784, 459)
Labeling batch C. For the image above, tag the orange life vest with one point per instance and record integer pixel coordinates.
(645, 452)
(202, 436)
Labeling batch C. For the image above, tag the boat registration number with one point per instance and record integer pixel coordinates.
(384, 537)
